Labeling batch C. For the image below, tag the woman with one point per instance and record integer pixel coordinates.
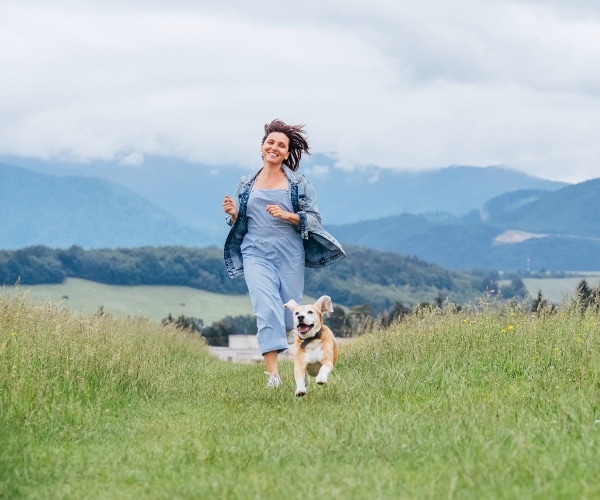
(276, 231)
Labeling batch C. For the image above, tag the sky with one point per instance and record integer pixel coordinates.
(411, 85)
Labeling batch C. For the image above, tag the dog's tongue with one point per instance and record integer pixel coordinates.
(303, 328)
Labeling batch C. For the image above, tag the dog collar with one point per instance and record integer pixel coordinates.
(308, 340)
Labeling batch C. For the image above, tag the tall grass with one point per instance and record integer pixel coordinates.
(488, 402)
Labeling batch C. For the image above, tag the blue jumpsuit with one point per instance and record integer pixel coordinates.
(273, 255)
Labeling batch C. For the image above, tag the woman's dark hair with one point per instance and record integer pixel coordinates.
(298, 143)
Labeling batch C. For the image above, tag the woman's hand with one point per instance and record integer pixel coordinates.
(230, 208)
(277, 211)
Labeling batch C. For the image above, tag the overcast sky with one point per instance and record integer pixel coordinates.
(402, 84)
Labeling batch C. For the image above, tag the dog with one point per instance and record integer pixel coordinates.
(315, 348)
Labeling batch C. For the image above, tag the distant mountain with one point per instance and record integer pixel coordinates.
(194, 192)
(510, 201)
(92, 213)
(527, 231)
(457, 217)
(376, 193)
(572, 210)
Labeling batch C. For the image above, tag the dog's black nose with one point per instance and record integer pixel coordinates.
(300, 318)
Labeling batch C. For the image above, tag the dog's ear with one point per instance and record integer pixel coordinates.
(324, 304)
(292, 305)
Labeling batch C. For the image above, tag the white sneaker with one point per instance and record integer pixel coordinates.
(274, 380)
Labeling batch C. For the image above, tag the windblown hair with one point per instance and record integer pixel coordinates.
(298, 143)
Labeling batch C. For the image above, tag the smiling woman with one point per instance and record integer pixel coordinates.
(276, 231)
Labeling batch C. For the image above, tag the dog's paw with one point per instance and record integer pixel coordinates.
(301, 392)
(321, 378)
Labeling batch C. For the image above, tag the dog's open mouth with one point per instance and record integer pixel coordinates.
(303, 328)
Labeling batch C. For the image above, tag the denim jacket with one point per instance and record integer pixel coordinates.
(320, 247)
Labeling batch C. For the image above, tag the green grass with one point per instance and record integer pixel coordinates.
(491, 402)
(149, 301)
(156, 302)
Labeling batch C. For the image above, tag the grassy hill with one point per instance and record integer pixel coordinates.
(486, 403)
(157, 302)
(150, 301)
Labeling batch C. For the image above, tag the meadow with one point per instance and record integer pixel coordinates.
(488, 402)
(156, 302)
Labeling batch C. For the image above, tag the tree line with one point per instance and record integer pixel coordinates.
(177, 265)
(378, 279)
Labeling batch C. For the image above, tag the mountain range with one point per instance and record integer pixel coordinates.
(458, 217)
(518, 231)
(194, 192)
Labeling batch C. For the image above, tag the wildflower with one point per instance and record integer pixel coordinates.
(13, 334)
(510, 328)
(503, 330)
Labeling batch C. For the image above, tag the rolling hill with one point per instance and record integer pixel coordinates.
(553, 230)
(571, 211)
(64, 211)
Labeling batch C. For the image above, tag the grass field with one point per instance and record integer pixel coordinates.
(152, 302)
(491, 402)
(156, 302)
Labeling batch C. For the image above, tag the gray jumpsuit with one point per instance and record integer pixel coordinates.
(273, 256)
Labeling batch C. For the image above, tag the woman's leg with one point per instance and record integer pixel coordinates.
(263, 284)
(271, 362)
(292, 287)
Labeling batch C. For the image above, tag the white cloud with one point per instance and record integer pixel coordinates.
(318, 170)
(410, 85)
(134, 159)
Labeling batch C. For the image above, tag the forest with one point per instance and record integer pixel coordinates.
(377, 279)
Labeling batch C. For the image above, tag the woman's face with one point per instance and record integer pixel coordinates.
(275, 148)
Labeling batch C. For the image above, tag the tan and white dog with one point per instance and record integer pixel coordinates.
(316, 348)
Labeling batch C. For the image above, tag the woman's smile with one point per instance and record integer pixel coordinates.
(276, 147)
